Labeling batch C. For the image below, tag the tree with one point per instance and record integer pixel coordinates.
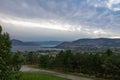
(8, 63)
(64, 60)
(5, 66)
(32, 58)
(109, 52)
(59, 60)
(17, 60)
(43, 61)
(112, 67)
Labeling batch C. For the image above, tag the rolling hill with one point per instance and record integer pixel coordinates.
(18, 45)
(16, 42)
(96, 44)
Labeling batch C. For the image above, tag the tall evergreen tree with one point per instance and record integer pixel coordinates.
(5, 66)
(8, 68)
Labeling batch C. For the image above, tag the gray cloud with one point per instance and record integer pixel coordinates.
(60, 19)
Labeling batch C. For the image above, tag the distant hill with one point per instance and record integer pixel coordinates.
(16, 42)
(18, 45)
(21, 43)
(103, 42)
(90, 44)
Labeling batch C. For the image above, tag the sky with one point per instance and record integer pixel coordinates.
(63, 20)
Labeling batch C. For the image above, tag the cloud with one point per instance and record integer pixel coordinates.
(40, 23)
(114, 5)
(79, 18)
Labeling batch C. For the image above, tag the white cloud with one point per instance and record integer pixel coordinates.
(115, 37)
(66, 28)
(111, 3)
(37, 23)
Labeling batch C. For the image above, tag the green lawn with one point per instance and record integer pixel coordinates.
(39, 76)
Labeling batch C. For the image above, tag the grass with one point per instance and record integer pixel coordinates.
(75, 74)
(39, 76)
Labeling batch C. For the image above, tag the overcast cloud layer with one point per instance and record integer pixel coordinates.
(60, 19)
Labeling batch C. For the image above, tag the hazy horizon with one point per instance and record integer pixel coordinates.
(60, 20)
(61, 40)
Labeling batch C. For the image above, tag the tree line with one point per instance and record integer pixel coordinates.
(104, 65)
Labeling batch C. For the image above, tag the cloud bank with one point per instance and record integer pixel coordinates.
(60, 19)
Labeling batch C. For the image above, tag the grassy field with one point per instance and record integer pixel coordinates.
(39, 76)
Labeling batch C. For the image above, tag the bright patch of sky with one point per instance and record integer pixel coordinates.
(114, 4)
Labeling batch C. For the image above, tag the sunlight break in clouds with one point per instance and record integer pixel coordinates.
(110, 4)
(40, 24)
(52, 24)
(115, 37)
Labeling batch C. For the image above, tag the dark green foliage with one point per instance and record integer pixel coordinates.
(109, 52)
(32, 58)
(64, 60)
(17, 60)
(9, 64)
(105, 65)
(46, 61)
(5, 66)
(112, 67)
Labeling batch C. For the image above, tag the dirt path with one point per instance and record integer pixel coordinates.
(28, 69)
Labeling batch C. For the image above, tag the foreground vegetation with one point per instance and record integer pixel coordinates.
(39, 76)
(69, 73)
(10, 63)
(102, 65)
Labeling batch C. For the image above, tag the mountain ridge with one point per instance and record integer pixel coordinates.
(16, 42)
(88, 43)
